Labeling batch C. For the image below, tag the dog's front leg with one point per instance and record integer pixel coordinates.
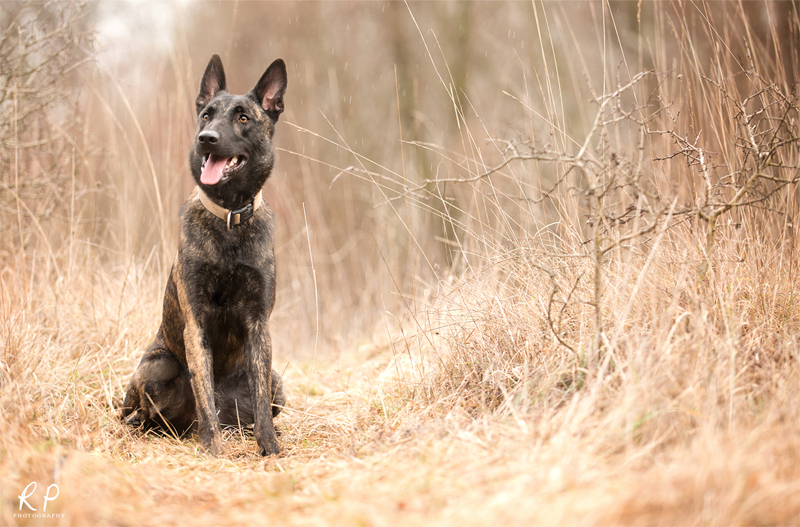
(199, 358)
(259, 358)
(200, 363)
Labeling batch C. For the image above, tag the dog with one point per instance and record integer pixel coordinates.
(210, 363)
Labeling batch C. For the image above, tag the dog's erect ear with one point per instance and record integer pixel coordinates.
(213, 82)
(270, 89)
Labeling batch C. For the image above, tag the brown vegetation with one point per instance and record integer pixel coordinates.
(538, 263)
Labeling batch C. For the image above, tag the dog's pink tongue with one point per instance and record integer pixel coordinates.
(212, 171)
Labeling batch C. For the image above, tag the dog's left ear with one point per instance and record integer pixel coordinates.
(270, 89)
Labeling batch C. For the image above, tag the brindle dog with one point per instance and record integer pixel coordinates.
(211, 360)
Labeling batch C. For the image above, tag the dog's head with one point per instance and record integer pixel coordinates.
(232, 154)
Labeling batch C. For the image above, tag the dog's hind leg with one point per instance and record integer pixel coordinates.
(160, 393)
(235, 403)
(278, 395)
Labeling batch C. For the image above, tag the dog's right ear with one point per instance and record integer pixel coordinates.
(213, 82)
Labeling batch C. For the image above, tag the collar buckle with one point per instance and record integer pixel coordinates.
(235, 217)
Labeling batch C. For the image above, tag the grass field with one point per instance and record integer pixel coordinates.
(559, 285)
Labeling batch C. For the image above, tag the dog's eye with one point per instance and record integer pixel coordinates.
(205, 117)
(243, 118)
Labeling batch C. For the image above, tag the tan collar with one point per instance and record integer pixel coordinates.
(231, 218)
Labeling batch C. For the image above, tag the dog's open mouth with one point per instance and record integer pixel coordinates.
(216, 168)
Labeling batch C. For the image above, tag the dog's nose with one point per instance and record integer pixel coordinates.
(208, 135)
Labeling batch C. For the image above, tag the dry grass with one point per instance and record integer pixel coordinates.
(443, 359)
(691, 425)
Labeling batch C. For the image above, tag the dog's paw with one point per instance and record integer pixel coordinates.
(211, 442)
(268, 446)
(272, 450)
(213, 449)
(266, 439)
(133, 419)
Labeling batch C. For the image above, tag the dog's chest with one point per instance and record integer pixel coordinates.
(232, 272)
(228, 276)
(235, 291)
(235, 306)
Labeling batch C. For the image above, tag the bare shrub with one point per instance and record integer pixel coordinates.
(42, 46)
(601, 258)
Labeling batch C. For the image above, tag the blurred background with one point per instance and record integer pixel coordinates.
(98, 118)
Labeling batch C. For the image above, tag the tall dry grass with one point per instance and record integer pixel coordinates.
(522, 301)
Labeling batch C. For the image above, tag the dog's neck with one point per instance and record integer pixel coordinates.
(231, 218)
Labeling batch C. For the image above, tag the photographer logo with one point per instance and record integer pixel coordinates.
(50, 494)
